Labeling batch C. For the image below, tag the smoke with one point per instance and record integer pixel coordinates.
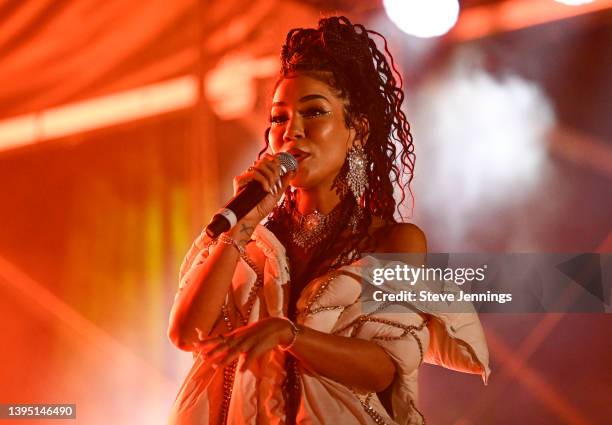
(480, 143)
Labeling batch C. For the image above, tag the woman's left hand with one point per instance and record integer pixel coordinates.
(254, 340)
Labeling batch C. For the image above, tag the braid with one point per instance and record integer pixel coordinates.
(344, 56)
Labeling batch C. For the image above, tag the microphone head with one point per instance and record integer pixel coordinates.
(288, 161)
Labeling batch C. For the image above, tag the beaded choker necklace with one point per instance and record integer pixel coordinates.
(309, 230)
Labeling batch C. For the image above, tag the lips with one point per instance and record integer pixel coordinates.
(298, 154)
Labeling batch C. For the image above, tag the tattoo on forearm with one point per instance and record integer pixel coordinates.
(246, 229)
(245, 232)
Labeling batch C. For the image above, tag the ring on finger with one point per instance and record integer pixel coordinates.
(251, 168)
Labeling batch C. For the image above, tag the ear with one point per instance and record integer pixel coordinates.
(361, 127)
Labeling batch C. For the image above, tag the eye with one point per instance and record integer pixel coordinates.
(276, 119)
(314, 112)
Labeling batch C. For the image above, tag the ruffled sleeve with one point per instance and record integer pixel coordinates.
(333, 304)
(256, 291)
(458, 343)
(258, 386)
(276, 270)
(398, 329)
(457, 340)
(325, 299)
(265, 264)
(196, 255)
(404, 336)
(410, 333)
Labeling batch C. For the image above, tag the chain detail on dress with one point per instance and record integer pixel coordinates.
(229, 372)
(377, 417)
(319, 292)
(325, 308)
(357, 324)
(407, 329)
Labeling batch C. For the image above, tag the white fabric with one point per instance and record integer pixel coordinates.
(330, 303)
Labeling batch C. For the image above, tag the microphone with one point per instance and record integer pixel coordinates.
(245, 200)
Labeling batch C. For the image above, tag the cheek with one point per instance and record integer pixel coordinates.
(332, 140)
(325, 130)
(275, 139)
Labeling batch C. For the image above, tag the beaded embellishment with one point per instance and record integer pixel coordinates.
(312, 229)
(407, 329)
(229, 372)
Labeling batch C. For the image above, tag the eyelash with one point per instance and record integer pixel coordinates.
(309, 113)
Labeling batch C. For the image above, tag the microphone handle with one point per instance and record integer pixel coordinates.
(240, 205)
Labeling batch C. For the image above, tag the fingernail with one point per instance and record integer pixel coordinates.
(273, 190)
(283, 169)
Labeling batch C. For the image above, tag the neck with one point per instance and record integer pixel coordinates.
(322, 200)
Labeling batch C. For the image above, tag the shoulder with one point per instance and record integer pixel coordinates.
(403, 237)
(408, 237)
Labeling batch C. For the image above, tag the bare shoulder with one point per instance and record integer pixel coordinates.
(404, 237)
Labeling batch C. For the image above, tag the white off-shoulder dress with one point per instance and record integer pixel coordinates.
(330, 303)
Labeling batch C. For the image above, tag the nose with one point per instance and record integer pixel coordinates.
(294, 129)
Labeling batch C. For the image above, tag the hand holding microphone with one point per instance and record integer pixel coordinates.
(256, 192)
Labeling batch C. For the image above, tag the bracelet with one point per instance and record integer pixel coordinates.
(296, 331)
(228, 240)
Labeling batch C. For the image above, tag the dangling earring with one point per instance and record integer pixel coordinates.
(357, 173)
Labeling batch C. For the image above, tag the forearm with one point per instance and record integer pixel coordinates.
(199, 303)
(354, 362)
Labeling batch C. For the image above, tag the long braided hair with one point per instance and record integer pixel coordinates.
(344, 56)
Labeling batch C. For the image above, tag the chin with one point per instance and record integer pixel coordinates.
(297, 184)
(300, 181)
(310, 181)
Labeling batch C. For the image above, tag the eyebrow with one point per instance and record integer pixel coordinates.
(303, 99)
